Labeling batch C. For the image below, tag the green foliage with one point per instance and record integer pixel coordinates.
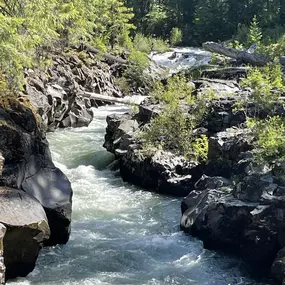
(156, 18)
(177, 88)
(255, 34)
(29, 30)
(207, 20)
(136, 71)
(147, 44)
(123, 84)
(275, 50)
(267, 85)
(200, 147)
(270, 139)
(172, 129)
(236, 44)
(175, 37)
(242, 33)
(272, 35)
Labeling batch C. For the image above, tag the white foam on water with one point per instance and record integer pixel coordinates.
(181, 59)
(120, 233)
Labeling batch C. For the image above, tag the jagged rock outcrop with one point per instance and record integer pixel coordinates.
(28, 166)
(247, 218)
(120, 132)
(162, 171)
(26, 230)
(278, 266)
(57, 94)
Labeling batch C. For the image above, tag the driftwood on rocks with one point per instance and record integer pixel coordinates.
(107, 56)
(240, 55)
(131, 100)
(226, 72)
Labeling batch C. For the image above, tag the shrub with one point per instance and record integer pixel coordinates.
(123, 84)
(177, 88)
(267, 85)
(147, 44)
(270, 139)
(255, 34)
(175, 36)
(200, 147)
(135, 72)
(172, 129)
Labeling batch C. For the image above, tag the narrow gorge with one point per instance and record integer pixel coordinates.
(121, 233)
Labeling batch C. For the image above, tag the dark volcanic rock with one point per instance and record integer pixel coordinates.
(57, 95)
(278, 266)
(120, 133)
(163, 172)
(51, 187)
(28, 166)
(27, 229)
(249, 220)
(229, 144)
(207, 182)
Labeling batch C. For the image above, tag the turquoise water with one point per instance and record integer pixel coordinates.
(121, 234)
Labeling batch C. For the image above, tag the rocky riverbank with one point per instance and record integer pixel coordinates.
(58, 93)
(36, 197)
(231, 203)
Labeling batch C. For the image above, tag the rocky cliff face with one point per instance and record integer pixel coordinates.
(58, 94)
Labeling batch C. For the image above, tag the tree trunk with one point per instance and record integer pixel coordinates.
(240, 55)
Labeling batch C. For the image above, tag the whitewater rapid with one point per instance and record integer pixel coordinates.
(179, 59)
(122, 234)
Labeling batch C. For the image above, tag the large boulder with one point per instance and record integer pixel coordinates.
(28, 166)
(27, 229)
(278, 266)
(120, 132)
(248, 218)
(162, 172)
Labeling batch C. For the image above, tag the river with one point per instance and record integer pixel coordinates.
(120, 233)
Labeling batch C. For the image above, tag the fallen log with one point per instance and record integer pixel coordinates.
(225, 73)
(240, 55)
(129, 100)
(107, 56)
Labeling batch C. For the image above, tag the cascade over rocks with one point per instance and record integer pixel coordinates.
(36, 197)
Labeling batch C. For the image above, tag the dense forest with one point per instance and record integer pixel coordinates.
(223, 117)
(202, 20)
(31, 29)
